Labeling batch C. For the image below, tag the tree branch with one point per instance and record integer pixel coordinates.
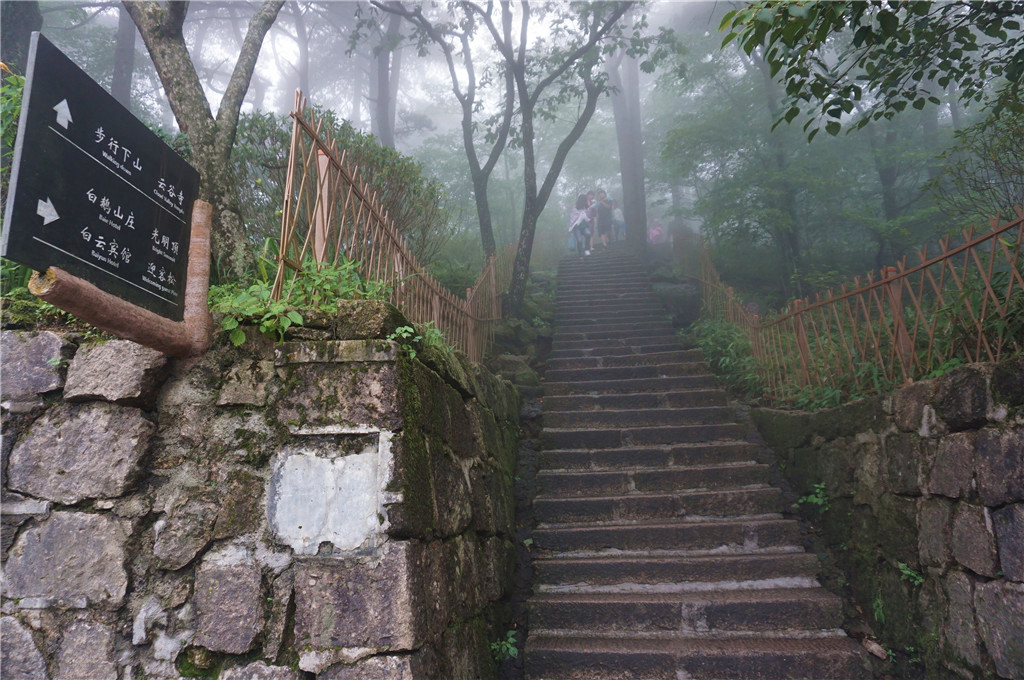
(234, 94)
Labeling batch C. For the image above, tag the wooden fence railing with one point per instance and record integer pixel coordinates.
(329, 214)
(964, 303)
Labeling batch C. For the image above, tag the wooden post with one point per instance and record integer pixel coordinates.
(320, 211)
(189, 337)
(901, 339)
(801, 341)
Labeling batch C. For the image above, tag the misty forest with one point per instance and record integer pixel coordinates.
(567, 340)
(485, 126)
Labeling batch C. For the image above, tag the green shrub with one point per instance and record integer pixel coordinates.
(727, 348)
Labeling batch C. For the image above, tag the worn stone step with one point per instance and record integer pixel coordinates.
(595, 483)
(757, 610)
(737, 569)
(580, 301)
(630, 386)
(708, 658)
(631, 342)
(639, 400)
(638, 436)
(601, 290)
(614, 350)
(635, 507)
(738, 535)
(598, 338)
(702, 453)
(599, 311)
(652, 324)
(608, 419)
(645, 359)
(627, 372)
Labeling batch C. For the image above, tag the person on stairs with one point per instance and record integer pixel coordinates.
(604, 217)
(579, 226)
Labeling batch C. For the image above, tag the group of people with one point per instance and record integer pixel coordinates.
(595, 221)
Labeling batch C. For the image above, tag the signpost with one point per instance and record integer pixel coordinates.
(95, 192)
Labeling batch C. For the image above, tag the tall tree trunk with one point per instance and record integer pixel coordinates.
(211, 138)
(954, 108)
(786, 233)
(19, 20)
(386, 84)
(358, 76)
(888, 174)
(124, 59)
(624, 76)
(302, 40)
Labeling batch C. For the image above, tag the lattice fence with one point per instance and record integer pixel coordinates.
(328, 213)
(963, 303)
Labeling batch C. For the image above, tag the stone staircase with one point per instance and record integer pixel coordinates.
(660, 549)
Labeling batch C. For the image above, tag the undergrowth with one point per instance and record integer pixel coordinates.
(727, 348)
(319, 287)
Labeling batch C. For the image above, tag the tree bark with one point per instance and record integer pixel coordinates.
(302, 40)
(19, 20)
(211, 138)
(624, 77)
(124, 59)
(386, 84)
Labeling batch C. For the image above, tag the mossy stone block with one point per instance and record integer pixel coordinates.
(367, 319)
(783, 429)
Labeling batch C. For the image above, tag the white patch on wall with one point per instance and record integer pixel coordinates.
(319, 492)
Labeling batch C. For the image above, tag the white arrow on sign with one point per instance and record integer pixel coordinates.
(63, 113)
(46, 210)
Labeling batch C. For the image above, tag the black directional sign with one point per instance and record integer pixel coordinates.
(94, 191)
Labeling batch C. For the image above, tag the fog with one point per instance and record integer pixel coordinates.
(701, 154)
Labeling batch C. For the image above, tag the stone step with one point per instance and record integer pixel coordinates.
(604, 268)
(645, 359)
(563, 484)
(597, 290)
(607, 277)
(701, 569)
(582, 300)
(758, 610)
(603, 311)
(608, 419)
(639, 400)
(640, 507)
(619, 438)
(635, 458)
(736, 535)
(630, 342)
(597, 338)
(651, 324)
(615, 350)
(627, 372)
(707, 658)
(630, 386)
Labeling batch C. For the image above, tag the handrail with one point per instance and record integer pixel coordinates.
(964, 304)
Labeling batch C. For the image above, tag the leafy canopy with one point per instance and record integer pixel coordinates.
(882, 55)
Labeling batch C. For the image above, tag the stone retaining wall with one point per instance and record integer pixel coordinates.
(325, 508)
(931, 478)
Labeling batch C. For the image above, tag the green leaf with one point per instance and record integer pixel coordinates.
(229, 323)
(888, 22)
(832, 127)
(237, 337)
(295, 317)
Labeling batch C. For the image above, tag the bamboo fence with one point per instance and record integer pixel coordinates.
(965, 303)
(328, 214)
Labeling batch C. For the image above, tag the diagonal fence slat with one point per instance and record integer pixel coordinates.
(328, 213)
(964, 304)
